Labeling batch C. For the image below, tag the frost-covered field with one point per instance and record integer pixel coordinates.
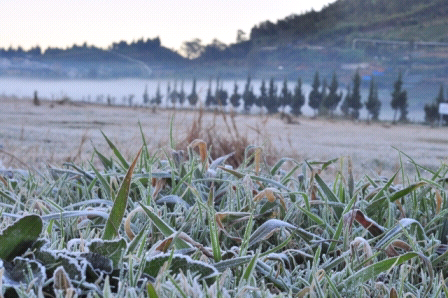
(53, 133)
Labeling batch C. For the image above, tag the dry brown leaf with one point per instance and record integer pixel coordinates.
(367, 249)
(4, 181)
(400, 207)
(62, 282)
(127, 223)
(202, 150)
(164, 244)
(439, 202)
(160, 183)
(374, 228)
(271, 194)
(401, 244)
(393, 293)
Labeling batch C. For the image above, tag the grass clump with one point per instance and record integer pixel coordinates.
(194, 225)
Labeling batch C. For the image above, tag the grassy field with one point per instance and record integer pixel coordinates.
(181, 223)
(54, 133)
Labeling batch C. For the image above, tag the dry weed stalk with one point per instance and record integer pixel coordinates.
(219, 143)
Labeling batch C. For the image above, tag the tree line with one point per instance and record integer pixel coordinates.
(324, 98)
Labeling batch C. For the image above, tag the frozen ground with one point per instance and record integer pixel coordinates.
(53, 133)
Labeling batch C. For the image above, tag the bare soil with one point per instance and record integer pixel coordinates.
(53, 133)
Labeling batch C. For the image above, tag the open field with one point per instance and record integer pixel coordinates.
(53, 133)
(166, 226)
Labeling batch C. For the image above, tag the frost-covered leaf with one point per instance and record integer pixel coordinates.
(172, 200)
(17, 272)
(19, 236)
(52, 259)
(178, 263)
(112, 249)
(267, 229)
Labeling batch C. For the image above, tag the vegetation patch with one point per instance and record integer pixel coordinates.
(189, 224)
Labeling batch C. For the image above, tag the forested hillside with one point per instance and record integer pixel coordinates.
(340, 22)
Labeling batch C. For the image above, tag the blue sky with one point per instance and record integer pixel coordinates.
(62, 23)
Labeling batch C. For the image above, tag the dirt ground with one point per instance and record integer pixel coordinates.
(53, 133)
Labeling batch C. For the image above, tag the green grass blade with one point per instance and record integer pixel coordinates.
(214, 239)
(120, 203)
(395, 231)
(151, 291)
(327, 191)
(372, 271)
(251, 266)
(103, 181)
(117, 153)
(341, 224)
(164, 228)
(401, 193)
(107, 163)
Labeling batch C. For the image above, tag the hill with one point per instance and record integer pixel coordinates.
(376, 36)
(340, 22)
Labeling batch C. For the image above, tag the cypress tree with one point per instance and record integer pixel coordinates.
(174, 95)
(331, 101)
(209, 99)
(285, 95)
(235, 98)
(298, 99)
(193, 97)
(344, 106)
(315, 97)
(248, 95)
(182, 94)
(222, 96)
(263, 98)
(272, 102)
(145, 95)
(373, 103)
(157, 100)
(355, 98)
(432, 109)
(168, 93)
(399, 100)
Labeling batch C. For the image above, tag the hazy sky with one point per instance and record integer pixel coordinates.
(62, 23)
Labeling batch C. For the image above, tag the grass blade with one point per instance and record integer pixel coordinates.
(117, 153)
(120, 203)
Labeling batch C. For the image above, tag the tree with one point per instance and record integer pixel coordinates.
(355, 98)
(373, 103)
(145, 95)
(157, 100)
(399, 100)
(272, 101)
(346, 101)
(285, 97)
(263, 98)
(240, 36)
(235, 98)
(193, 97)
(221, 96)
(209, 99)
(298, 99)
(330, 102)
(248, 95)
(182, 94)
(432, 109)
(193, 49)
(315, 97)
(168, 93)
(174, 96)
